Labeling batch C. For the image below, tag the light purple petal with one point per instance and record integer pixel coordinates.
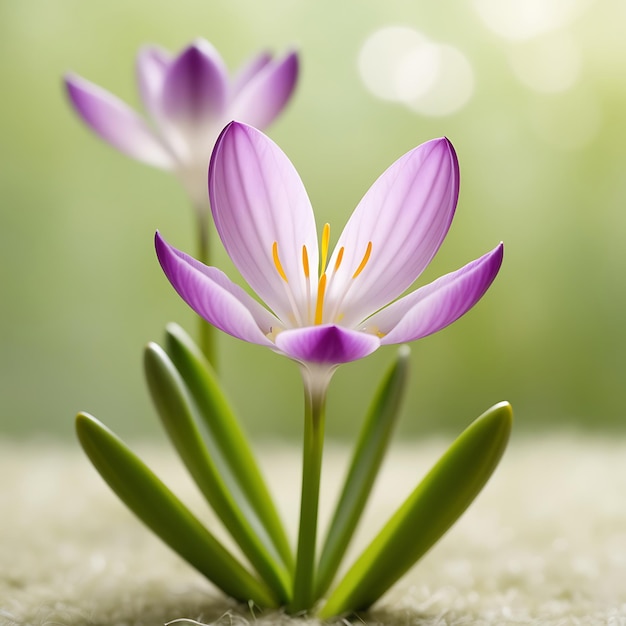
(152, 64)
(195, 88)
(211, 294)
(115, 122)
(405, 215)
(248, 71)
(438, 304)
(266, 94)
(257, 198)
(327, 344)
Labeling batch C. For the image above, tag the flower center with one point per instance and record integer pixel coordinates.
(315, 311)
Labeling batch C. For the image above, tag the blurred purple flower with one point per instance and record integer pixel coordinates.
(189, 99)
(266, 223)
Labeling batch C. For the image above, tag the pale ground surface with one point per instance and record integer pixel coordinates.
(545, 543)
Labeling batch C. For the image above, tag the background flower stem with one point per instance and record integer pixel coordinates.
(206, 332)
(315, 408)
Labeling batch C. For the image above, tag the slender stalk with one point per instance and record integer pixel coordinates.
(315, 408)
(206, 332)
(202, 210)
(366, 460)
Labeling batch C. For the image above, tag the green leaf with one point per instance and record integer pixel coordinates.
(177, 412)
(157, 507)
(437, 502)
(226, 439)
(368, 455)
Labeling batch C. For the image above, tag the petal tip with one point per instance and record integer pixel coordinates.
(498, 255)
(201, 46)
(69, 77)
(292, 61)
(163, 250)
(77, 87)
(229, 133)
(291, 72)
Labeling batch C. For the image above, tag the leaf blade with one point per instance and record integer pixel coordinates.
(224, 427)
(176, 411)
(159, 509)
(463, 469)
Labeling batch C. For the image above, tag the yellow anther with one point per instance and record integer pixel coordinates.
(374, 330)
(305, 261)
(325, 241)
(277, 262)
(366, 258)
(319, 306)
(339, 259)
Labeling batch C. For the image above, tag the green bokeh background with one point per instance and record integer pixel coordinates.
(82, 292)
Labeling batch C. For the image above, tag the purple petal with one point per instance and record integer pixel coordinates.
(115, 122)
(438, 304)
(152, 64)
(248, 72)
(213, 296)
(257, 198)
(405, 215)
(195, 88)
(266, 94)
(328, 344)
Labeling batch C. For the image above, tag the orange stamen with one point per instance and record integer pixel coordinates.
(305, 261)
(325, 241)
(366, 258)
(339, 259)
(277, 262)
(319, 306)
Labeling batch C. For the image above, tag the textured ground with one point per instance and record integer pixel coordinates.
(545, 543)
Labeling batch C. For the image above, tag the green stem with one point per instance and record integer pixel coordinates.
(206, 332)
(315, 406)
(202, 225)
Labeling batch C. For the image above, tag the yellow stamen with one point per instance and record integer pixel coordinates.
(339, 259)
(366, 258)
(277, 262)
(305, 261)
(325, 240)
(319, 307)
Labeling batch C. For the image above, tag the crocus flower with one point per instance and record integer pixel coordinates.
(326, 309)
(188, 100)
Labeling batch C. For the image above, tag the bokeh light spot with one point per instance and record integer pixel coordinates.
(381, 54)
(417, 71)
(452, 88)
(399, 64)
(519, 20)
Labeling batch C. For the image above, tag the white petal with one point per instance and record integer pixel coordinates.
(405, 215)
(116, 122)
(151, 67)
(435, 306)
(213, 296)
(257, 198)
(267, 93)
